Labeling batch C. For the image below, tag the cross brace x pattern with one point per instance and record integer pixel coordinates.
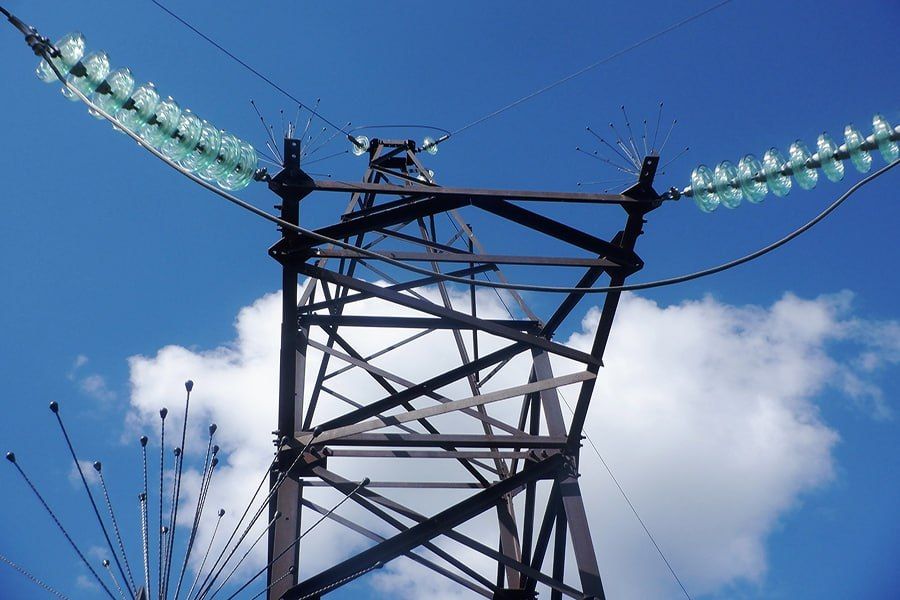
(399, 211)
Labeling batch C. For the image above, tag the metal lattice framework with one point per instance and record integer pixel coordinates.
(393, 211)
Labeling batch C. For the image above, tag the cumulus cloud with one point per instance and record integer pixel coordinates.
(706, 412)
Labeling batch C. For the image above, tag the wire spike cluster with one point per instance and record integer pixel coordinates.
(627, 153)
(727, 184)
(117, 566)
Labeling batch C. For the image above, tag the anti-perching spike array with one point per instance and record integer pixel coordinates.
(752, 179)
(180, 135)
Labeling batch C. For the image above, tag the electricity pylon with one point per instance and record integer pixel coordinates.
(401, 213)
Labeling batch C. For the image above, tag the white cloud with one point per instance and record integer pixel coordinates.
(90, 474)
(92, 385)
(96, 387)
(706, 413)
(83, 582)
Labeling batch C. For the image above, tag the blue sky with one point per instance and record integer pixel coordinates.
(108, 254)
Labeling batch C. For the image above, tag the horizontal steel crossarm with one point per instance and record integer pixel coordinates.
(453, 405)
(456, 316)
(415, 485)
(337, 320)
(369, 367)
(442, 523)
(486, 194)
(339, 453)
(408, 285)
(487, 593)
(458, 440)
(465, 257)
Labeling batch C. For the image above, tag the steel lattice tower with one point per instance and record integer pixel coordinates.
(396, 206)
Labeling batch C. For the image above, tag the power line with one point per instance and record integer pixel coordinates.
(630, 505)
(465, 281)
(249, 68)
(590, 67)
(462, 280)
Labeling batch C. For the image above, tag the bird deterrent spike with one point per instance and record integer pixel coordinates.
(605, 160)
(11, 457)
(630, 133)
(665, 141)
(656, 130)
(610, 146)
(98, 466)
(54, 408)
(631, 158)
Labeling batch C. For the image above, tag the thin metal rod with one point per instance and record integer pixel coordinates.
(115, 523)
(188, 386)
(159, 532)
(12, 458)
(656, 130)
(631, 134)
(289, 572)
(54, 408)
(274, 146)
(604, 159)
(115, 581)
(198, 511)
(669, 133)
(632, 158)
(676, 157)
(33, 579)
(145, 543)
(608, 145)
(282, 477)
(206, 554)
(237, 525)
(287, 548)
(247, 553)
(145, 525)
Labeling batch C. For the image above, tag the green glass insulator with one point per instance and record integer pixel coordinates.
(361, 146)
(162, 124)
(703, 185)
(749, 170)
(114, 91)
(773, 163)
(805, 176)
(826, 149)
(429, 146)
(886, 146)
(727, 184)
(71, 50)
(139, 108)
(88, 74)
(860, 158)
(184, 139)
(205, 151)
(227, 159)
(242, 175)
